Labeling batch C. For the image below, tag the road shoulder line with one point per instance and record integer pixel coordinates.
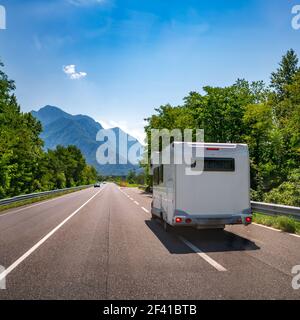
(277, 230)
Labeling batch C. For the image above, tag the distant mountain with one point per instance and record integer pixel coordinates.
(61, 128)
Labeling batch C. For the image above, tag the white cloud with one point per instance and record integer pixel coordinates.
(70, 70)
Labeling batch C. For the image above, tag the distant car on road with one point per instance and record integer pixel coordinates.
(97, 185)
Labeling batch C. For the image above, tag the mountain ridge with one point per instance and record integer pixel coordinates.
(62, 128)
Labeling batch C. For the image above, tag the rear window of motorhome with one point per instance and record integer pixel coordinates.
(215, 164)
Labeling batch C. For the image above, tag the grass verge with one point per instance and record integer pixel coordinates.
(124, 184)
(35, 200)
(283, 223)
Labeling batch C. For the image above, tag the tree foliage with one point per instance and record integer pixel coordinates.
(266, 118)
(285, 73)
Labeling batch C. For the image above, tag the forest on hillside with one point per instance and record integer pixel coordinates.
(24, 166)
(266, 117)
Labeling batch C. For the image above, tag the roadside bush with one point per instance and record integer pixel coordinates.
(286, 224)
(283, 223)
(288, 193)
(264, 220)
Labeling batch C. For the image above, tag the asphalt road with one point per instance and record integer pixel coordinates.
(102, 244)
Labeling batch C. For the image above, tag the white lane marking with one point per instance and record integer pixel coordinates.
(203, 255)
(36, 246)
(295, 235)
(266, 227)
(145, 210)
(39, 204)
(127, 195)
(277, 230)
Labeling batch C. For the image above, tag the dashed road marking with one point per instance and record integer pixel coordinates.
(203, 255)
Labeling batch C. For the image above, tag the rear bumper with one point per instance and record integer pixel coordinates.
(202, 221)
(182, 219)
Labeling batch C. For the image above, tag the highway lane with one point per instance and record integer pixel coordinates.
(110, 249)
(258, 260)
(20, 228)
(279, 249)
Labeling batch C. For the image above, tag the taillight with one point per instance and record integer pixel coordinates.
(188, 220)
(178, 220)
(248, 219)
(212, 149)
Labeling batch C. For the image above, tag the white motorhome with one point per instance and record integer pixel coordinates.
(207, 192)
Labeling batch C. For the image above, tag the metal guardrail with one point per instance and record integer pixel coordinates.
(38, 195)
(276, 209)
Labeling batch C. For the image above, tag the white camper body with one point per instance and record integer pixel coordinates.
(209, 193)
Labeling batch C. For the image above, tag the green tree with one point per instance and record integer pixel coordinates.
(131, 177)
(265, 146)
(288, 192)
(20, 145)
(66, 167)
(284, 75)
(268, 121)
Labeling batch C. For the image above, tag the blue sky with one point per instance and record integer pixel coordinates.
(131, 56)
